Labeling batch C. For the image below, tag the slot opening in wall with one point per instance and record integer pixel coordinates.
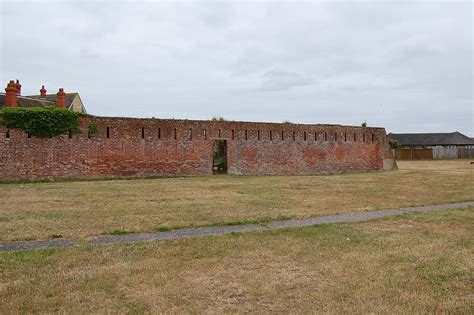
(315, 136)
(304, 136)
(143, 132)
(29, 135)
(108, 132)
(175, 133)
(271, 135)
(282, 135)
(219, 133)
(159, 133)
(233, 134)
(335, 136)
(355, 137)
(190, 133)
(258, 135)
(219, 157)
(246, 135)
(7, 134)
(373, 137)
(363, 137)
(294, 135)
(70, 134)
(205, 134)
(345, 136)
(325, 136)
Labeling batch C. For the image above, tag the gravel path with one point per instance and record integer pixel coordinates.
(220, 230)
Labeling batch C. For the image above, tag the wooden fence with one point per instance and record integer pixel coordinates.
(436, 153)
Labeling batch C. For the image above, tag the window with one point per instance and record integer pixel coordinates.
(108, 133)
(159, 133)
(345, 136)
(143, 132)
(282, 135)
(258, 135)
(219, 133)
(271, 135)
(233, 134)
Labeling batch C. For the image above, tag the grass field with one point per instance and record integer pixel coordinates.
(81, 209)
(417, 263)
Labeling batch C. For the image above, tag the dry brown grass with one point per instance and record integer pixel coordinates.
(418, 263)
(85, 208)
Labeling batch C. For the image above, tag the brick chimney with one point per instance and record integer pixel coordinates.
(18, 87)
(43, 92)
(11, 94)
(61, 100)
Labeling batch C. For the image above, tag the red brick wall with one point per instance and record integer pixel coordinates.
(126, 153)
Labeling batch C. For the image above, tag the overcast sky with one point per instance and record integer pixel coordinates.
(406, 66)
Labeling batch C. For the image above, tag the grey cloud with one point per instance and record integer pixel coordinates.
(283, 80)
(404, 65)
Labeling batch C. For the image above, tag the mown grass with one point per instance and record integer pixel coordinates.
(82, 209)
(416, 263)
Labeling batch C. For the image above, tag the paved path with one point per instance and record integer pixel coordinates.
(220, 230)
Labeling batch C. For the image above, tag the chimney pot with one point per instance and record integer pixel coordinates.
(18, 86)
(11, 95)
(43, 92)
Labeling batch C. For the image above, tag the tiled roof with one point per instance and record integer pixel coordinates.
(25, 101)
(431, 139)
(52, 98)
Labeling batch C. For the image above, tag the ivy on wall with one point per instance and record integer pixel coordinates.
(41, 121)
(92, 129)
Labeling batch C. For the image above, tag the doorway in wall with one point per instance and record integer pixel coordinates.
(219, 157)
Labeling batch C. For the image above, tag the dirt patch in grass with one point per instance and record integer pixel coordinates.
(335, 268)
(82, 209)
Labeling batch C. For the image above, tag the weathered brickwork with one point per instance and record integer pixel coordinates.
(124, 147)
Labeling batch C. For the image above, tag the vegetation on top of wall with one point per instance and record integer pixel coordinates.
(218, 118)
(41, 121)
(364, 124)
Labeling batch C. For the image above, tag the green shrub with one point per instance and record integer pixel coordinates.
(41, 121)
(394, 144)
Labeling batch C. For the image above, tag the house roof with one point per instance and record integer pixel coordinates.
(431, 139)
(53, 97)
(26, 101)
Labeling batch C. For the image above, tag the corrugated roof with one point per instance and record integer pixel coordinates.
(431, 139)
